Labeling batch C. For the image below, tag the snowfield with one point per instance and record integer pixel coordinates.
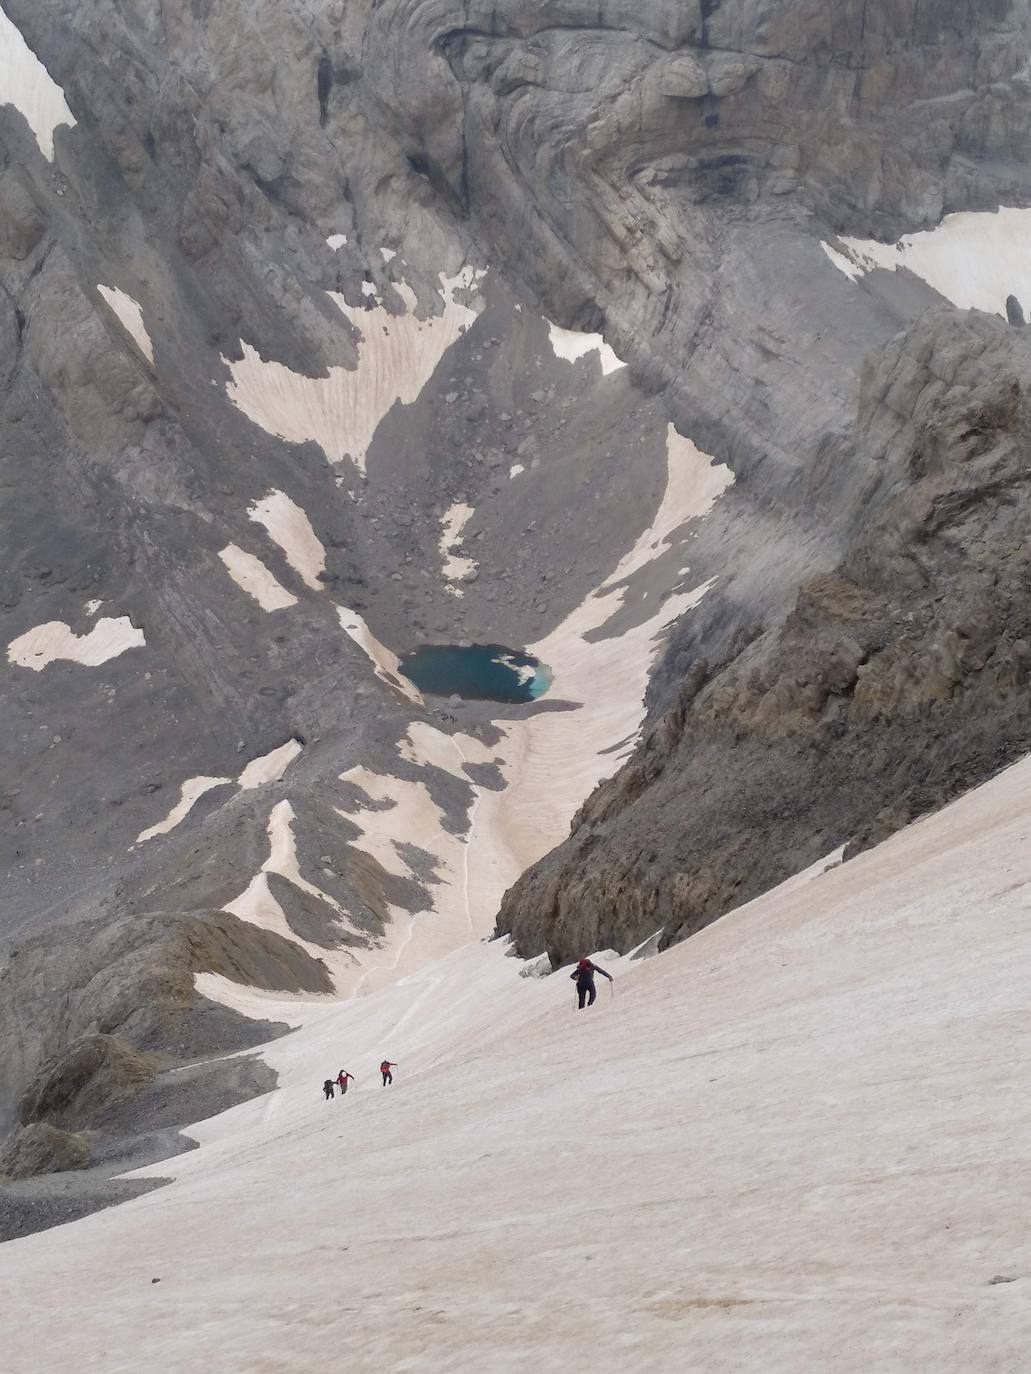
(975, 259)
(797, 1142)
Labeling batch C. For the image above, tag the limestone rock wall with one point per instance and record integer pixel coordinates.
(898, 680)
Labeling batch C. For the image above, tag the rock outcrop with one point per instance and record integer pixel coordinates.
(42, 1149)
(899, 679)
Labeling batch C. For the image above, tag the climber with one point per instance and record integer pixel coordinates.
(327, 1088)
(584, 975)
(384, 1069)
(341, 1080)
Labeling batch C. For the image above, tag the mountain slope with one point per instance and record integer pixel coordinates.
(797, 1138)
(331, 330)
(898, 681)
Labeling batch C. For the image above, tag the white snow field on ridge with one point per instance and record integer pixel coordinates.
(796, 1142)
(974, 259)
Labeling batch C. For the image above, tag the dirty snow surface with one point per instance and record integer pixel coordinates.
(797, 1142)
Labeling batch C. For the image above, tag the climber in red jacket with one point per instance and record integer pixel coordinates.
(384, 1069)
(584, 975)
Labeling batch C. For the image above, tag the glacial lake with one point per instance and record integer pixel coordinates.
(477, 672)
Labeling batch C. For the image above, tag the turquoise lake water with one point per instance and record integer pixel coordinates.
(478, 672)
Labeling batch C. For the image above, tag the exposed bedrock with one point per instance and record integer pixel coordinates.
(659, 168)
(82, 1000)
(41, 1149)
(899, 679)
(665, 172)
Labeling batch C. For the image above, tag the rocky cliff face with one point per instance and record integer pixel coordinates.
(899, 679)
(283, 288)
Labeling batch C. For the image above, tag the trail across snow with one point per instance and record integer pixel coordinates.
(797, 1142)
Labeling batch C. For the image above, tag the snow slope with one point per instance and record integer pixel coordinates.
(975, 259)
(796, 1142)
(27, 85)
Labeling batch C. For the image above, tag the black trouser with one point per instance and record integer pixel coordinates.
(328, 1091)
(343, 1088)
(586, 992)
(388, 1077)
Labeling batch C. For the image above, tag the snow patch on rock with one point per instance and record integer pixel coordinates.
(403, 809)
(424, 744)
(384, 660)
(250, 574)
(456, 566)
(844, 264)
(694, 483)
(190, 793)
(397, 355)
(974, 259)
(269, 767)
(572, 344)
(27, 85)
(130, 317)
(257, 905)
(264, 769)
(412, 817)
(286, 524)
(55, 641)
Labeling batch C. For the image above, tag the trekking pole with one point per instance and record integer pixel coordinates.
(612, 990)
